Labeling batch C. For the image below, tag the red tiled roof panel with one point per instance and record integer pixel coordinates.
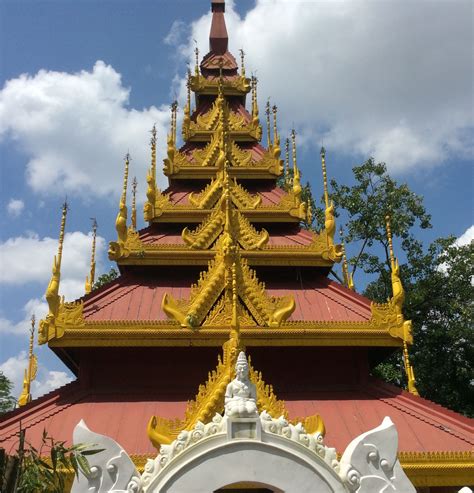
(422, 426)
(133, 299)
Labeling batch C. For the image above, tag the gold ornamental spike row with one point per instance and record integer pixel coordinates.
(210, 400)
(203, 126)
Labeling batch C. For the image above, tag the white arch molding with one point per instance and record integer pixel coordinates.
(277, 464)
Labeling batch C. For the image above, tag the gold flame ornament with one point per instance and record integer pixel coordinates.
(31, 371)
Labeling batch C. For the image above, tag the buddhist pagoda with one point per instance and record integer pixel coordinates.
(225, 265)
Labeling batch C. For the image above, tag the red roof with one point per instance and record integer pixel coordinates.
(136, 298)
(422, 425)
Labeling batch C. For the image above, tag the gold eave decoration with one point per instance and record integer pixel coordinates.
(69, 316)
(204, 162)
(212, 228)
(235, 86)
(210, 397)
(205, 125)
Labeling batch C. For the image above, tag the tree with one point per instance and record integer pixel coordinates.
(106, 278)
(7, 401)
(437, 282)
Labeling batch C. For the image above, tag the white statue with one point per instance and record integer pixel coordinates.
(241, 393)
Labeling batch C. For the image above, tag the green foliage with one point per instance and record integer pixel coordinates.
(375, 195)
(439, 292)
(7, 401)
(48, 475)
(106, 278)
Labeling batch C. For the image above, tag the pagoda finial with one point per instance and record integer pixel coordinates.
(121, 221)
(254, 99)
(296, 172)
(91, 277)
(149, 206)
(218, 39)
(388, 227)
(30, 372)
(134, 203)
(174, 111)
(187, 108)
(325, 178)
(410, 373)
(329, 219)
(242, 65)
(287, 163)
(276, 137)
(196, 65)
(267, 112)
(347, 277)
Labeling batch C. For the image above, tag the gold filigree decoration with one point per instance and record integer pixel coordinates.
(221, 315)
(205, 85)
(70, 314)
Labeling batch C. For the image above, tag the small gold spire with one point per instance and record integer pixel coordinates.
(267, 112)
(293, 142)
(90, 279)
(389, 238)
(254, 99)
(174, 111)
(287, 163)
(275, 131)
(347, 277)
(188, 93)
(411, 387)
(121, 221)
(296, 172)
(30, 372)
(134, 203)
(196, 65)
(149, 206)
(325, 178)
(242, 66)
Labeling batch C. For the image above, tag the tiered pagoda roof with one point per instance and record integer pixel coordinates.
(224, 241)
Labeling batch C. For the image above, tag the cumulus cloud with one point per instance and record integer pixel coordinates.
(76, 129)
(34, 306)
(386, 79)
(46, 380)
(466, 238)
(16, 254)
(15, 207)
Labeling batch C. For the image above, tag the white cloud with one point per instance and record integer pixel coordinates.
(17, 268)
(466, 238)
(388, 79)
(76, 129)
(15, 207)
(46, 380)
(34, 306)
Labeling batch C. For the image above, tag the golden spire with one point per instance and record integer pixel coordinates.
(325, 178)
(30, 372)
(276, 137)
(174, 111)
(91, 277)
(287, 163)
(411, 387)
(254, 99)
(329, 219)
(267, 112)
(187, 108)
(242, 66)
(347, 277)
(134, 203)
(121, 221)
(196, 65)
(389, 238)
(52, 291)
(296, 171)
(149, 206)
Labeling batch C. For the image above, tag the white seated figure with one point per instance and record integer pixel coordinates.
(241, 393)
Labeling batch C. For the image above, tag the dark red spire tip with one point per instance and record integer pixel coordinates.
(218, 39)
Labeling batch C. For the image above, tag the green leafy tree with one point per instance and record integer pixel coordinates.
(437, 281)
(106, 278)
(7, 401)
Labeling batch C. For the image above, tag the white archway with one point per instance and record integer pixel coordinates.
(212, 464)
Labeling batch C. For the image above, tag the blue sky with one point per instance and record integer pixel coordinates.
(83, 81)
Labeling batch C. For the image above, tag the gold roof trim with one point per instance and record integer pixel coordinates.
(231, 86)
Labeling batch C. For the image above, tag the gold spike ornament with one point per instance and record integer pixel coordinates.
(90, 279)
(30, 372)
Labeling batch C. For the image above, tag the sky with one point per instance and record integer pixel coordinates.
(84, 81)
